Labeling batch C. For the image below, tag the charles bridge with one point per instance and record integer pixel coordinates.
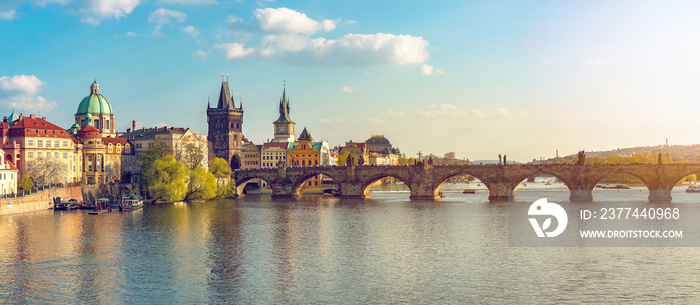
(424, 180)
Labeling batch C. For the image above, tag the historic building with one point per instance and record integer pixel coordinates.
(28, 139)
(284, 126)
(355, 148)
(273, 153)
(251, 156)
(306, 152)
(93, 150)
(95, 110)
(8, 175)
(182, 143)
(120, 160)
(225, 134)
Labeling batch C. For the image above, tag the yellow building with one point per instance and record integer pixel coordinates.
(8, 176)
(32, 138)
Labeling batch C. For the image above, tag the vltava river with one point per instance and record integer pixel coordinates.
(324, 250)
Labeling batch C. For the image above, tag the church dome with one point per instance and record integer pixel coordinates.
(13, 116)
(378, 140)
(94, 103)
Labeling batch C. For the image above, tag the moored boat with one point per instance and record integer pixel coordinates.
(469, 191)
(617, 187)
(130, 203)
(693, 189)
(59, 204)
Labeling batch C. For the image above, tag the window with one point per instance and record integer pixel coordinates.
(39, 143)
(38, 154)
(56, 155)
(65, 144)
(30, 142)
(30, 154)
(65, 155)
(55, 143)
(48, 143)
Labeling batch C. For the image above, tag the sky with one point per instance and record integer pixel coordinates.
(478, 78)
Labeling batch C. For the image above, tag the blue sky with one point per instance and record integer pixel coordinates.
(480, 78)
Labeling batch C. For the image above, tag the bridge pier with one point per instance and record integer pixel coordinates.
(352, 190)
(580, 195)
(501, 191)
(660, 196)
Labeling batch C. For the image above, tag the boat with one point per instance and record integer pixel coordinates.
(693, 189)
(130, 203)
(469, 191)
(616, 187)
(441, 194)
(101, 205)
(59, 204)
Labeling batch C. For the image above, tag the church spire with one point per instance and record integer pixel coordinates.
(225, 100)
(284, 108)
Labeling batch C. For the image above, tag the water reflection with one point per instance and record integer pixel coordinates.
(386, 249)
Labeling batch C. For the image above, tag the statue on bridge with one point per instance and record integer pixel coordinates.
(660, 159)
(348, 161)
(360, 160)
(430, 160)
(500, 159)
(581, 158)
(505, 162)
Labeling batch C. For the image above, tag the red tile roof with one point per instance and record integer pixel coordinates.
(282, 145)
(36, 127)
(12, 166)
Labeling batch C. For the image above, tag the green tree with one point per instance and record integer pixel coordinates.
(202, 185)
(227, 189)
(343, 159)
(165, 179)
(26, 183)
(220, 168)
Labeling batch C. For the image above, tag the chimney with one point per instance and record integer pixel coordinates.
(133, 125)
(143, 128)
(43, 118)
(165, 128)
(155, 129)
(32, 116)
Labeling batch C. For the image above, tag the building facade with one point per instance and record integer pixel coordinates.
(225, 129)
(284, 126)
(8, 175)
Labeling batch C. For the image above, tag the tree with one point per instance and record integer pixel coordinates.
(45, 170)
(166, 179)
(26, 183)
(192, 155)
(220, 168)
(227, 190)
(449, 158)
(202, 184)
(343, 159)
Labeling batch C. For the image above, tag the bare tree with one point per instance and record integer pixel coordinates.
(45, 170)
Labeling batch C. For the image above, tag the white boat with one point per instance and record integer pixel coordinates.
(130, 203)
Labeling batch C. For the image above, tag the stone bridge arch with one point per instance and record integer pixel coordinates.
(440, 179)
(367, 182)
(241, 183)
(308, 173)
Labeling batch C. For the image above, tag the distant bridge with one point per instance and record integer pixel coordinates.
(424, 181)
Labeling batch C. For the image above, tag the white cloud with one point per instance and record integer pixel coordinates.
(449, 110)
(23, 90)
(234, 50)
(429, 70)
(351, 49)
(8, 14)
(165, 16)
(284, 20)
(93, 11)
(595, 62)
(192, 30)
(400, 113)
(375, 121)
(187, 2)
(24, 84)
(199, 53)
(351, 21)
(348, 89)
(131, 34)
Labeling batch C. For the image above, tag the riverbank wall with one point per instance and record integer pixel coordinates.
(40, 200)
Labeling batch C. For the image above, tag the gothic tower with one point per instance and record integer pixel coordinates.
(225, 128)
(284, 126)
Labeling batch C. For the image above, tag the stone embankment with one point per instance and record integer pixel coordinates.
(43, 200)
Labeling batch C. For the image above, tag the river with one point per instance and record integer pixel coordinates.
(325, 250)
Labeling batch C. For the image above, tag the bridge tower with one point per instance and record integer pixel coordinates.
(284, 126)
(225, 123)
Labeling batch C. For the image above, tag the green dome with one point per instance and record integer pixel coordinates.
(96, 104)
(13, 117)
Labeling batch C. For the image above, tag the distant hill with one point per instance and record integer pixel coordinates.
(675, 152)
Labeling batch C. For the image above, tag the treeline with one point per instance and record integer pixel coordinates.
(167, 178)
(640, 158)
